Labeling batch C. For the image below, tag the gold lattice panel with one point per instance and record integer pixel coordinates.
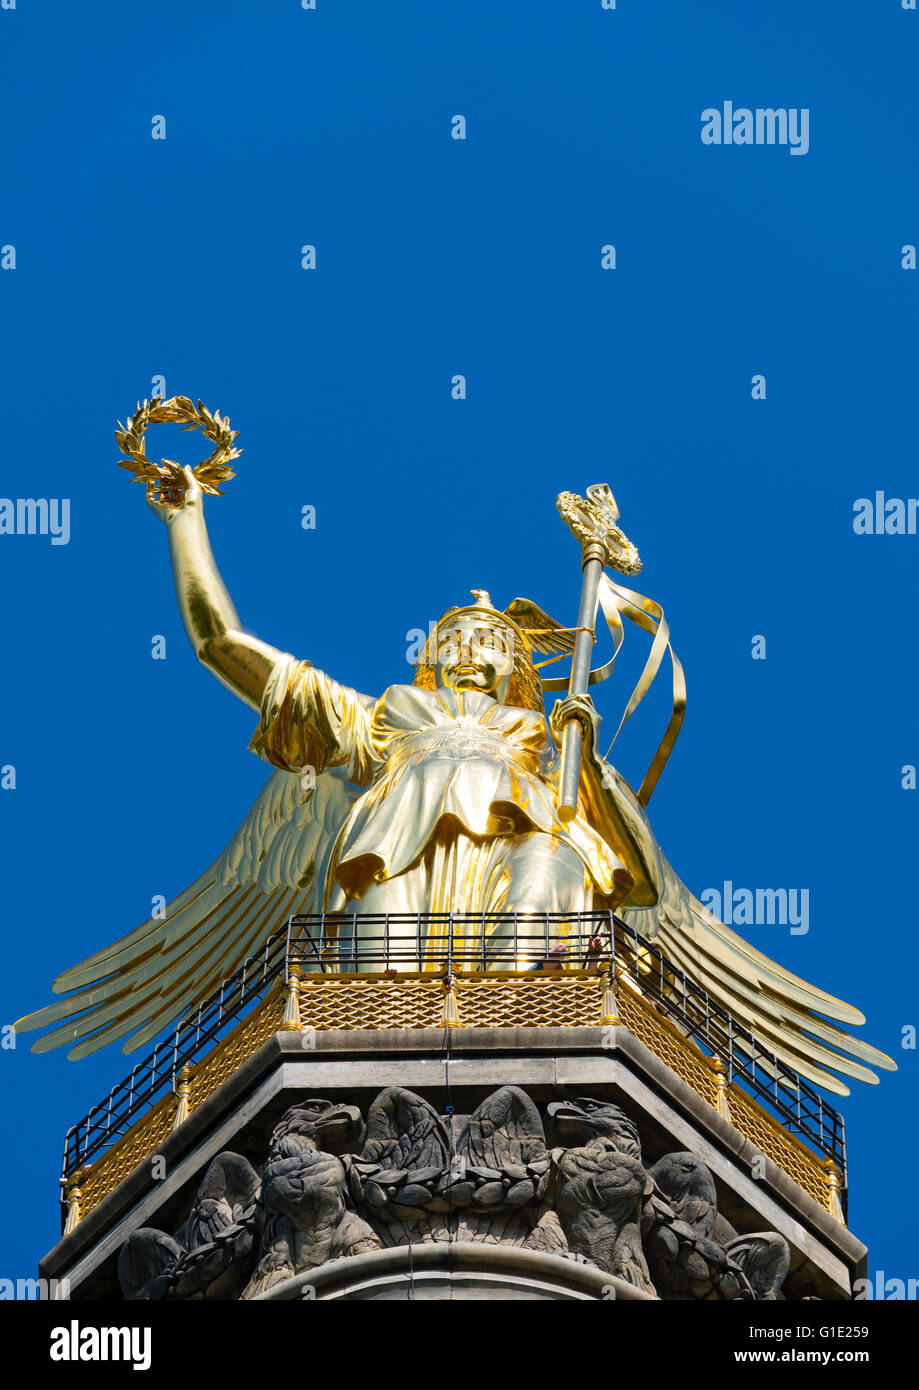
(123, 1157)
(784, 1149)
(143, 1140)
(352, 1001)
(530, 1000)
(237, 1047)
(506, 1000)
(666, 1042)
(682, 1056)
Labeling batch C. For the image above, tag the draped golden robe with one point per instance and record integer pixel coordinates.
(458, 815)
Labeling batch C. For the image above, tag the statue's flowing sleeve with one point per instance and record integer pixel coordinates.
(308, 720)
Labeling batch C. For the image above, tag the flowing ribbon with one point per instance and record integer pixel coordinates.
(615, 600)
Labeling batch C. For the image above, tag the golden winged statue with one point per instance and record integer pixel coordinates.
(437, 796)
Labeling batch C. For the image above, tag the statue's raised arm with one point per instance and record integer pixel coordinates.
(307, 719)
(243, 663)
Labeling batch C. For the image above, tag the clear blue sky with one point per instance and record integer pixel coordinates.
(181, 257)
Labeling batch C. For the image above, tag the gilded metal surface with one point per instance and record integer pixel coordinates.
(565, 999)
(692, 1066)
(666, 1041)
(356, 1001)
(478, 999)
(593, 521)
(73, 1193)
(722, 1103)
(785, 1151)
(122, 1158)
(291, 1017)
(615, 600)
(833, 1180)
(441, 795)
(165, 481)
(218, 1066)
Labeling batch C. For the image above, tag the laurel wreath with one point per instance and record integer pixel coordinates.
(165, 481)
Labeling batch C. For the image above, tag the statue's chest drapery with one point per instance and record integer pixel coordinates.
(425, 758)
(413, 726)
(444, 754)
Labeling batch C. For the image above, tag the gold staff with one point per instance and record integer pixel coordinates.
(592, 520)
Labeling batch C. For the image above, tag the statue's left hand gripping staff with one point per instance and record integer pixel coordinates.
(593, 522)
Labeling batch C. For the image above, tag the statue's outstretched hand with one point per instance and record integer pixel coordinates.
(191, 501)
(581, 708)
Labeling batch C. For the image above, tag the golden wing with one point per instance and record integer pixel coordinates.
(275, 865)
(789, 1017)
(543, 633)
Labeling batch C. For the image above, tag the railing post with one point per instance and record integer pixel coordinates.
(721, 1087)
(832, 1178)
(89, 1119)
(73, 1191)
(182, 1107)
(451, 1013)
(609, 1007)
(291, 1022)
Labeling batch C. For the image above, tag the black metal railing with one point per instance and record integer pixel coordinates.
(492, 941)
(156, 1075)
(799, 1106)
(334, 943)
(451, 941)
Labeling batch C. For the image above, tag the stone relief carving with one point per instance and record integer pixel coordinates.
(571, 1183)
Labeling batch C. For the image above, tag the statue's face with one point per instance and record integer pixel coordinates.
(473, 655)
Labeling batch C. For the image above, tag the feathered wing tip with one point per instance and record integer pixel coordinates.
(274, 866)
(786, 1015)
(543, 633)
